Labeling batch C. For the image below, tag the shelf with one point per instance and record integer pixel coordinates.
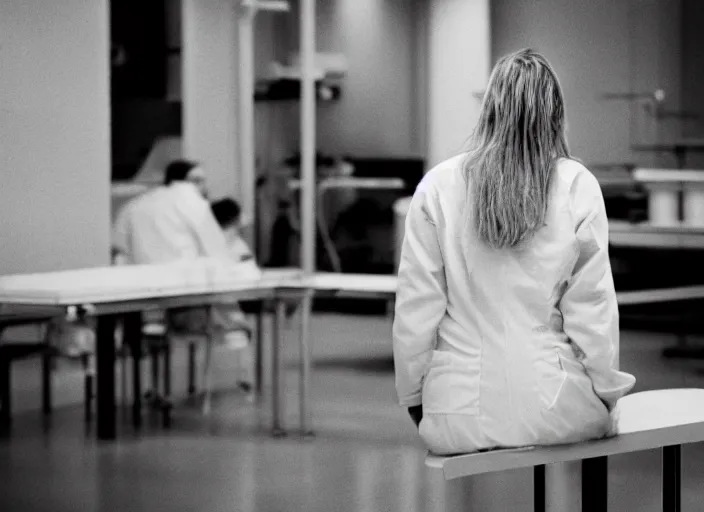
(290, 90)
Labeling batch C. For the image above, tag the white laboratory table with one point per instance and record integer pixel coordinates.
(353, 285)
(116, 292)
(626, 234)
(113, 292)
(384, 287)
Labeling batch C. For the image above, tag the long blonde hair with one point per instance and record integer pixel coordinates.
(518, 138)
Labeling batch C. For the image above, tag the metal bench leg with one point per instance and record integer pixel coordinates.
(671, 478)
(595, 484)
(539, 488)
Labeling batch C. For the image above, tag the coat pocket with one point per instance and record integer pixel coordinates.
(551, 379)
(451, 385)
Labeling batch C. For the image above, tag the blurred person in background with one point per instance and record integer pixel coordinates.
(170, 223)
(228, 214)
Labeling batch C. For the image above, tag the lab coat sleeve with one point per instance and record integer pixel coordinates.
(589, 308)
(121, 233)
(210, 235)
(421, 300)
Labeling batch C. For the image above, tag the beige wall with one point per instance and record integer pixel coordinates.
(209, 81)
(459, 52)
(598, 47)
(54, 135)
(376, 115)
(692, 74)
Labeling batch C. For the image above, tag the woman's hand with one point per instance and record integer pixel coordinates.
(416, 413)
(613, 422)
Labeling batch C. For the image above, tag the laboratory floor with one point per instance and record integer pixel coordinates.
(365, 457)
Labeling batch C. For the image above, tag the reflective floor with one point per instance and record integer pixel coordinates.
(365, 456)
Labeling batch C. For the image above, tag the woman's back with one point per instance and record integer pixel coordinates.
(508, 367)
(484, 283)
(506, 326)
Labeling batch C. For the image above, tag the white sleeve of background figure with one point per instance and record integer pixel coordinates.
(210, 235)
(588, 306)
(121, 234)
(421, 299)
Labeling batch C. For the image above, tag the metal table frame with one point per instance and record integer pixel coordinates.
(107, 315)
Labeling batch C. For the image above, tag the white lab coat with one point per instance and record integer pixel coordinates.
(240, 253)
(507, 348)
(167, 224)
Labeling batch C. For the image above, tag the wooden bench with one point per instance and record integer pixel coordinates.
(663, 419)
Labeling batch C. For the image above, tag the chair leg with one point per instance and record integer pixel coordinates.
(539, 488)
(671, 478)
(166, 403)
(47, 362)
(123, 377)
(258, 341)
(207, 376)
(132, 338)
(191, 369)
(595, 484)
(154, 393)
(88, 387)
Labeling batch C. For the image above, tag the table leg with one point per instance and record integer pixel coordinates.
(671, 478)
(132, 333)
(305, 359)
(191, 369)
(167, 405)
(259, 353)
(5, 388)
(46, 380)
(278, 429)
(595, 484)
(87, 366)
(107, 428)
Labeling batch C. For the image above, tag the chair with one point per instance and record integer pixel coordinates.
(159, 337)
(11, 351)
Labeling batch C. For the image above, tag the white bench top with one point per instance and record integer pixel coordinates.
(646, 420)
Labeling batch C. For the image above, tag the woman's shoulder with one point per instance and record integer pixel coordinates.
(579, 188)
(444, 175)
(575, 178)
(569, 170)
